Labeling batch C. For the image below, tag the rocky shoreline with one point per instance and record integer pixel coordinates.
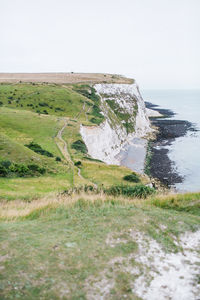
(159, 164)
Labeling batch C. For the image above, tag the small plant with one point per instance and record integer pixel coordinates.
(132, 178)
(9, 169)
(78, 163)
(3, 171)
(96, 121)
(38, 149)
(43, 104)
(138, 191)
(93, 159)
(59, 109)
(58, 158)
(36, 169)
(79, 146)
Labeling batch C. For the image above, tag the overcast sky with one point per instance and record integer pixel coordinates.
(154, 41)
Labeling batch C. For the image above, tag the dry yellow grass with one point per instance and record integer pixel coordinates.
(12, 210)
(63, 78)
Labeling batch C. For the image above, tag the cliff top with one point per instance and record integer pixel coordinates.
(64, 78)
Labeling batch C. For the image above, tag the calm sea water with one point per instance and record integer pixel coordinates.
(184, 151)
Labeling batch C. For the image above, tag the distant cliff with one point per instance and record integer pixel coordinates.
(125, 118)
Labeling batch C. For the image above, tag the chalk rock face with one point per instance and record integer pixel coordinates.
(126, 118)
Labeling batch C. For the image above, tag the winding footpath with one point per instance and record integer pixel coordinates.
(64, 149)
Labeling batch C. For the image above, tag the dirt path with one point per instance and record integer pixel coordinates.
(64, 149)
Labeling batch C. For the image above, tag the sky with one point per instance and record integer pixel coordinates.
(157, 42)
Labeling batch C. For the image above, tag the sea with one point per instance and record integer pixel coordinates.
(184, 151)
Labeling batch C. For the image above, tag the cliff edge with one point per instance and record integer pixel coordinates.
(125, 119)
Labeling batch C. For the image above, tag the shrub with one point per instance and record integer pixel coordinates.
(3, 171)
(6, 163)
(93, 159)
(98, 117)
(9, 169)
(78, 163)
(19, 169)
(139, 191)
(132, 178)
(59, 109)
(79, 146)
(43, 104)
(88, 92)
(38, 149)
(96, 121)
(1, 103)
(36, 168)
(58, 158)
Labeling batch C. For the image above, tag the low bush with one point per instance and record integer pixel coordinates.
(79, 146)
(45, 112)
(38, 149)
(78, 163)
(96, 121)
(43, 104)
(58, 158)
(132, 178)
(9, 169)
(93, 159)
(88, 92)
(98, 118)
(59, 109)
(139, 191)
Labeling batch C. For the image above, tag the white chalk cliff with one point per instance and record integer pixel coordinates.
(125, 118)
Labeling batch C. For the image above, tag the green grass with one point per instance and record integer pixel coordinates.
(106, 175)
(35, 187)
(19, 127)
(54, 99)
(189, 202)
(23, 126)
(60, 251)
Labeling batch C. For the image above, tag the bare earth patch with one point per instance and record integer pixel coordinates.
(151, 273)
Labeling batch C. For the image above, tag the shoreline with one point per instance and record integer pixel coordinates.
(133, 155)
(160, 166)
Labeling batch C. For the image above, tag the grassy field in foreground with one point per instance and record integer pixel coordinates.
(60, 248)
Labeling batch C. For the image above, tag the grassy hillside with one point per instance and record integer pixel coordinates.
(87, 246)
(49, 115)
